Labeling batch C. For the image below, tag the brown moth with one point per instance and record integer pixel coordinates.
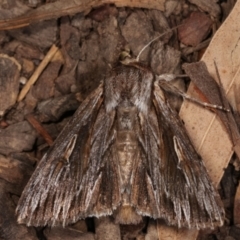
(124, 153)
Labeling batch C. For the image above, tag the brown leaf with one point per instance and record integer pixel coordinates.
(207, 133)
(195, 29)
(215, 95)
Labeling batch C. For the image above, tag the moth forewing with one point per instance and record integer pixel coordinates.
(70, 148)
(127, 154)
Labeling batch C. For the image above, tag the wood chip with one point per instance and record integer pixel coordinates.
(9, 82)
(17, 138)
(66, 234)
(106, 229)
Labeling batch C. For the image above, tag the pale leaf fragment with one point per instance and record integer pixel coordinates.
(204, 128)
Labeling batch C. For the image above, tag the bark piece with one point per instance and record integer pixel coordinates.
(194, 29)
(106, 229)
(66, 234)
(89, 76)
(144, 34)
(80, 226)
(10, 229)
(237, 208)
(3, 37)
(234, 232)
(29, 52)
(9, 82)
(10, 170)
(70, 42)
(208, 6)
(53, 109)
(42, 35)
(133, 231)
(27, 68)
(227, 8)
(73, 48)
(164, 59)
(12, 9)
(160, 24)
(64, 83)
(103, 13)
(83, 24)
(22, 50)
(98, 51)
(14, 175)
(110, 41)
(152, 233)
(66, 30)
(168, 233)
(172, 7)
(44, 88)
(17, 138)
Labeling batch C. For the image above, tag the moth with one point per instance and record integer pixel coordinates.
(125, 153)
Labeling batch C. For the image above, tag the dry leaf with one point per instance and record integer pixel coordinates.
(194, 29)
(207, 133)
(214, 94)
(216, 149)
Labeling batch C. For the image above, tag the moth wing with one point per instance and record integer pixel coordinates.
(77, 177)
(169, 180)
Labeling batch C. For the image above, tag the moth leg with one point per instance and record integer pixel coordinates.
(163, 81)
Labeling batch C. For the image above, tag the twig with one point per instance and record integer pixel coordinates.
(39, 128)
(37, 72)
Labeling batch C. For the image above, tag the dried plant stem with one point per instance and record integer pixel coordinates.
(38, 72)
(63, 8)
(39, 128)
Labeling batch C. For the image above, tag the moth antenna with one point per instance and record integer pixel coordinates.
(163, 80)
(149, 43)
